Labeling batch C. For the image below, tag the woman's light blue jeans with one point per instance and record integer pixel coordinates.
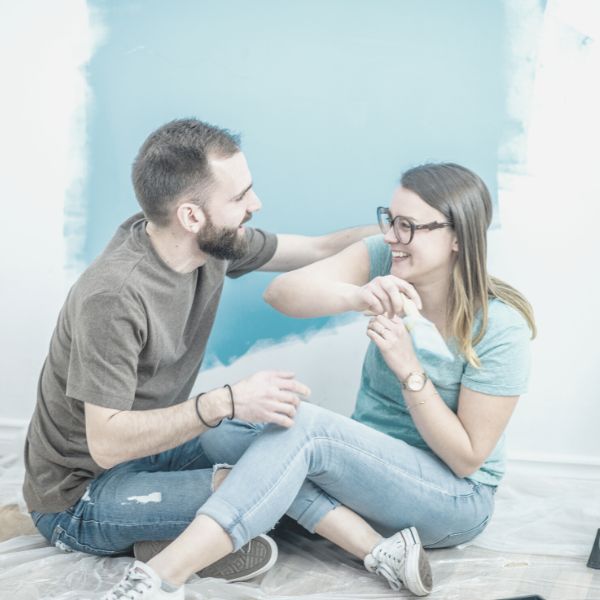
(323, 460)
(326, 459)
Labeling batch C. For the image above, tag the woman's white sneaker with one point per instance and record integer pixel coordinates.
(402, 560)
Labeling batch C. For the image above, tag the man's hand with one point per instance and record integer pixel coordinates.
(383, 296)
(269, 397)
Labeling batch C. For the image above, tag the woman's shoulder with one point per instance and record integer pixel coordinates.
(504, 321)
(380, 255)
(504, 315)
(504, 352)
(375, 243)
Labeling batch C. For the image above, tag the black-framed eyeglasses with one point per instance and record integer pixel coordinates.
(404, 228)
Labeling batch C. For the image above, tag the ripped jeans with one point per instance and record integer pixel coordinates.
(152, 498)
(323, 460)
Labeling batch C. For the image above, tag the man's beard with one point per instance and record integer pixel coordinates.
(225, 243)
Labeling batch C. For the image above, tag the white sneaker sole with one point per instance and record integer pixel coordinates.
(417, 568)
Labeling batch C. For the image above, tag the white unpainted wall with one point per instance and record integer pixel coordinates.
(549, 210)
(43, 48)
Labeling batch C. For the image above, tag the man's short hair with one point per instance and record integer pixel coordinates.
(174, 160)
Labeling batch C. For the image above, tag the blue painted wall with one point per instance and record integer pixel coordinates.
(334, 99)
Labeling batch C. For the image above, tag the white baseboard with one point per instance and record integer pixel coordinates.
(573, 466)
(544, 457)
(10, 431)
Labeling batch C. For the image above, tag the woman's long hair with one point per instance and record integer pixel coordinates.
(464, 200)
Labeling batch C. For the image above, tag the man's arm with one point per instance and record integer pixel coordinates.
(115, 436)
(295, 251)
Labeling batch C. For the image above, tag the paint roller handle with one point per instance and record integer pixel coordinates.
(410, 308)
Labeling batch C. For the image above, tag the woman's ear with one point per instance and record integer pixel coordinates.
(455, 244)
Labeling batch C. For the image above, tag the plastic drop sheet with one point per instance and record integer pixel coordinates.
(537, 543)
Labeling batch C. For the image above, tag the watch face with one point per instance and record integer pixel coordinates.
(415, 382)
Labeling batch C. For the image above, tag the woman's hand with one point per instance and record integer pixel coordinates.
(384, 296)
(395, 344)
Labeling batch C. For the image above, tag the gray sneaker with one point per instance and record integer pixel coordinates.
(402, 560)
(251, 560)
(142, 583)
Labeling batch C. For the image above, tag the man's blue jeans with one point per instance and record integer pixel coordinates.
(323, 460)
(152, 498)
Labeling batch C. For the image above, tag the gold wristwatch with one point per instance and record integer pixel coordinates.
(415, 381)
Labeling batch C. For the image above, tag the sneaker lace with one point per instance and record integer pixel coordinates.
(130, 588)
(394, 581)
(390, 563)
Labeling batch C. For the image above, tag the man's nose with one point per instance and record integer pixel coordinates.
(254, 204)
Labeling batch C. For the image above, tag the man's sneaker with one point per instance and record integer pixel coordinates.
(402, 560)
(142, 583)
(251, 560)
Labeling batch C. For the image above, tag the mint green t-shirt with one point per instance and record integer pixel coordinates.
(504, 355)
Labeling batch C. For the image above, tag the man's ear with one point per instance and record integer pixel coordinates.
(190, 216)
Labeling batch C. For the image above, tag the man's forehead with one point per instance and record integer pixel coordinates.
(232, 170)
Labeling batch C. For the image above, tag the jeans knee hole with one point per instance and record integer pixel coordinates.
(58, 540)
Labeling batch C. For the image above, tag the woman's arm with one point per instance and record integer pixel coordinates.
(463, 440)
(338, 284)
(326, 287)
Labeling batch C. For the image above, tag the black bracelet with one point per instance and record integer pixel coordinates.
(200, 416)
(232, 402)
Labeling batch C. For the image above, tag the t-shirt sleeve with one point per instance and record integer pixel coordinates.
(380, 256)
(261, 248)
(108, 335)
(504, 352)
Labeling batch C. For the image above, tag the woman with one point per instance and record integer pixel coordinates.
(424, 450)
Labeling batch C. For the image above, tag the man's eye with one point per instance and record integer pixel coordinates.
(405, 225)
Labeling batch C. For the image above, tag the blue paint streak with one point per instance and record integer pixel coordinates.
(333, 98)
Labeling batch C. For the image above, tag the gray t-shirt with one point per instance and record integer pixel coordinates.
(130, 336)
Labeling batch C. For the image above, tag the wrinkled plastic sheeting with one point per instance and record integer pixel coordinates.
(544, 514)
(306, 570)
(537, 543)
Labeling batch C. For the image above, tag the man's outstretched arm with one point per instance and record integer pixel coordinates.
(115, 436)
(295, 251)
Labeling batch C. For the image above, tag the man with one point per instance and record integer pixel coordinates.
(113, 456)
